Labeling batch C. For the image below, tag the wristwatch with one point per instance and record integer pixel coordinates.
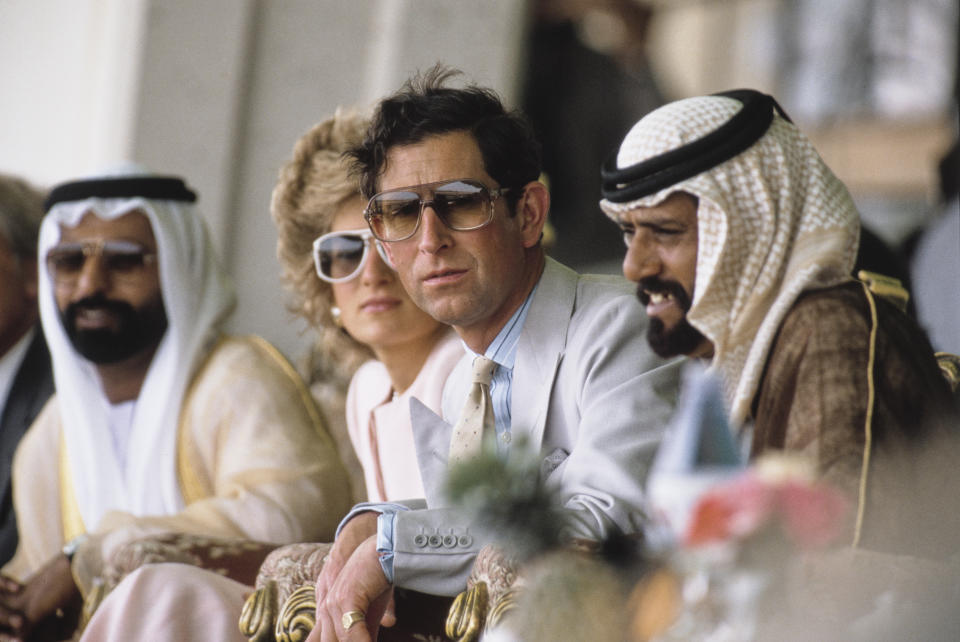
(70, 548)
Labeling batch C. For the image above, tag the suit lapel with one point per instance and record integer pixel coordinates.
(32, 386)
(540, 350)
(431, 439)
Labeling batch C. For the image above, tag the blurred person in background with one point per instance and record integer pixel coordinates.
(588, 79)
(26, 379)
(936, 263)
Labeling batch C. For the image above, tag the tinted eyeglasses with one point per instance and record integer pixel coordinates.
(340, 256)
(123, 259)
(462, 204)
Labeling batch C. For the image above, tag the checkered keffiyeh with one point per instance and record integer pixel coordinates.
(773, 221)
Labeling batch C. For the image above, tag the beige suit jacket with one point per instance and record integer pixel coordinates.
(588, 394)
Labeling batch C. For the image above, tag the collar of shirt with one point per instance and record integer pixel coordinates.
(120, 421)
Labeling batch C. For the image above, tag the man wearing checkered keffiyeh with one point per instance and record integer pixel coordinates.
(742, 242)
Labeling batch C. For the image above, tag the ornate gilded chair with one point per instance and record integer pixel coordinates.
(283, 606)
(490, 595)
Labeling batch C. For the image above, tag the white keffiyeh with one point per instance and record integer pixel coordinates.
(773, 221)
(197, 296)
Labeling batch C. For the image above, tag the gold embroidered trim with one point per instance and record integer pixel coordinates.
(70, 517)
(886, 286)
(868, 422)
(192, 487)
(316, 418)
(191, 484)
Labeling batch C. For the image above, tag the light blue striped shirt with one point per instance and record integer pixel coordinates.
(503, 350)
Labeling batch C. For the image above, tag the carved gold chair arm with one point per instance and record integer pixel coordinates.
(283, 606)
(297, 615)
(490, 595)
(950, 367)
(468, 613)
(259, 614)
(473, 611)
(502, 606)
(91, 603)
(263, 620)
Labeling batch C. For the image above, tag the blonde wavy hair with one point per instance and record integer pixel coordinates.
(310, 189)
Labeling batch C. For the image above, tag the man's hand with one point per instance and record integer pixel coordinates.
(360, 586)
(38, 603)
(354, 532)
(11, 619)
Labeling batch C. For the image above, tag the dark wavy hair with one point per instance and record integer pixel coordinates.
(21, 210)
(425, 107)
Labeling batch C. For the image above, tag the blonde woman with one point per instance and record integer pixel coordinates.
(344, 288)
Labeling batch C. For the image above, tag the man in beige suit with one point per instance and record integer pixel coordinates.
(452, 179)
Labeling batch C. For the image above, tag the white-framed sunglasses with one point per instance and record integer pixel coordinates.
(340, 256)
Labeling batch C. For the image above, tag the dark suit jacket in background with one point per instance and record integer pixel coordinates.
(32, 386)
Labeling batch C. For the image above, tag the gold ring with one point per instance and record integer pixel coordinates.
(352, 617)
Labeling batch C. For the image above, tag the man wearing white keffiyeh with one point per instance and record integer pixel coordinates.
(742, 242)
(160, 424)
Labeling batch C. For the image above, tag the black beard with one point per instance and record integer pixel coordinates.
(138, 329)
(683, 338)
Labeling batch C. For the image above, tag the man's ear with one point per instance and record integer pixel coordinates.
(532, 211)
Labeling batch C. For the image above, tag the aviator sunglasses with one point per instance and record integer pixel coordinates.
(123, 259)
(462, 204)
(340, 256)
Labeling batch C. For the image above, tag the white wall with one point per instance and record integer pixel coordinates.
(68, 78)
(192, 93)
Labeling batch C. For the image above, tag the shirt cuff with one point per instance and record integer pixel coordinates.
(385, 525)
(364, 507)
